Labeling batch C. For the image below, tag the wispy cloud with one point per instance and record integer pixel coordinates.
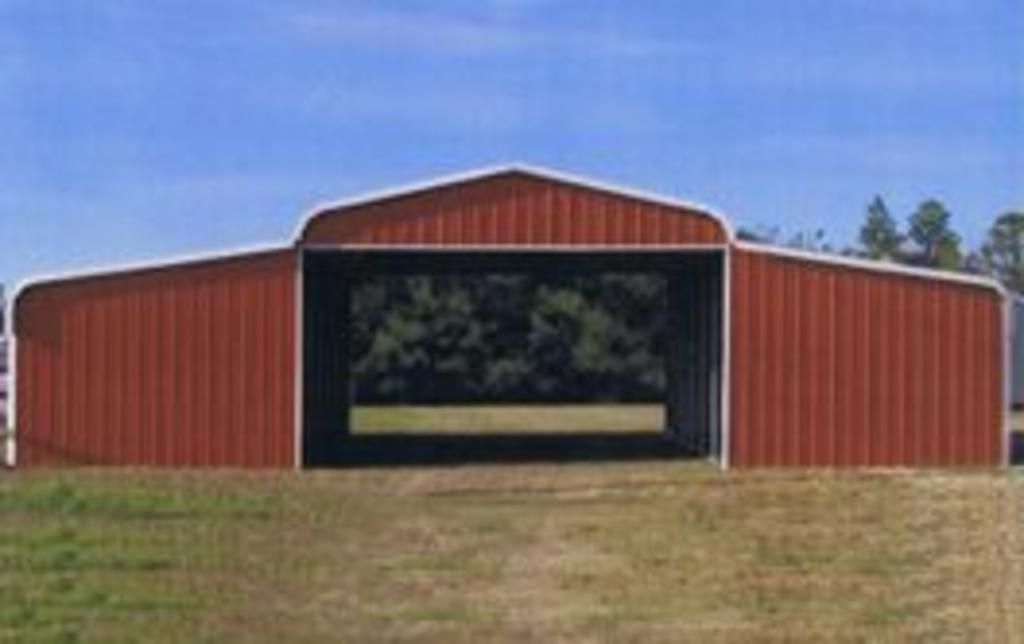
(494, 110)
(443, 108)
(949, 8)
(11, 69)
(136, 201)
(879, 153)
(902, 73)
(444, 33)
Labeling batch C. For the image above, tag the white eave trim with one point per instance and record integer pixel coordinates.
(524, 168)
(874, 266)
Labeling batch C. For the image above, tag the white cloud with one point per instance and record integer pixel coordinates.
(441, 33)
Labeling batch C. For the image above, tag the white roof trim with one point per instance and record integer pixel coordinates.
(490, 171)
(113, 270)
(874, 266)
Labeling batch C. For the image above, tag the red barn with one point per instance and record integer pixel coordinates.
(777, 357)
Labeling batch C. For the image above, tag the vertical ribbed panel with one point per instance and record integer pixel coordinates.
(513, 209)
(186, 366)
(833, 366)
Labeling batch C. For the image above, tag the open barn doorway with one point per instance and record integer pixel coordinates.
(530, 398)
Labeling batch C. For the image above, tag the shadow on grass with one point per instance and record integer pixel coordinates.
(391, 449)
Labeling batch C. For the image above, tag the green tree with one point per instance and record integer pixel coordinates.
(937, 243)
(1003, 251)
(948, 254)
(508, 337)
(880, 236)
(759, 234)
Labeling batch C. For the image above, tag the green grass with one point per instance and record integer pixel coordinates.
(90, 556)
(645, 552)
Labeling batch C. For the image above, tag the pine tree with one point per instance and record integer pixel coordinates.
(1003, 251)
(938, 244)
(880, 236)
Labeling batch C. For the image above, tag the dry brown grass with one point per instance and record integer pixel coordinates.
(644, 552)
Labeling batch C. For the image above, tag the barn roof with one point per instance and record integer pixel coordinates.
(369, 201)
(369, 206)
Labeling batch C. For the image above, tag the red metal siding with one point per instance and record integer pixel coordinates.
(836, 366)
(513, 209)
(186, 366)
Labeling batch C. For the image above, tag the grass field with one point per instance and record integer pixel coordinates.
(516, 418)
(640, 551)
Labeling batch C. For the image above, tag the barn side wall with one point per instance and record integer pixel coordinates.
(192, 365)
(838, 366)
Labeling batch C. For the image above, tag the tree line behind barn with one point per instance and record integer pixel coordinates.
(929, 240)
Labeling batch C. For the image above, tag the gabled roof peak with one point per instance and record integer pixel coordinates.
(516, 167)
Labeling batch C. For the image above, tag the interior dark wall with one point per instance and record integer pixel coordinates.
(326, 332)
(693, 335)
(694, 357)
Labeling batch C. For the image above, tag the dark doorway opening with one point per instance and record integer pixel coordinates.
(689, 342)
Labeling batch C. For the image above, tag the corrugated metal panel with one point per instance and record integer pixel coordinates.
(513, 209)
(186, 366)
(834, 366)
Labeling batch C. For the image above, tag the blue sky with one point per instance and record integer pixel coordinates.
(131, 130)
